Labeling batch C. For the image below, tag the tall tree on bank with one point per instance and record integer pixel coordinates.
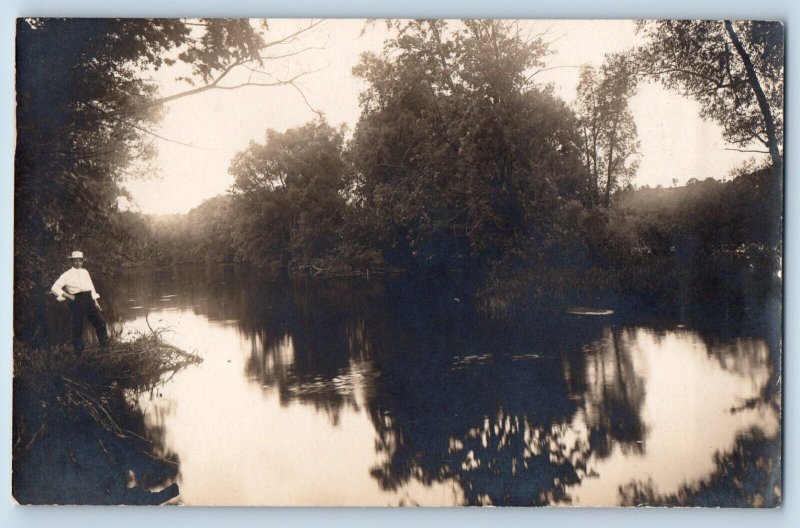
(459, 157)
(289, 195)
(85, 105)
(734, 69)
(608, 131)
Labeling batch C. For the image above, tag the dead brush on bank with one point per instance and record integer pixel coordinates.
(57, 386)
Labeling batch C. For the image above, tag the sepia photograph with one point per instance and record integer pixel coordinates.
(398, 262)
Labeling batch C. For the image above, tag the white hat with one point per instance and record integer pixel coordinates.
(76, 255)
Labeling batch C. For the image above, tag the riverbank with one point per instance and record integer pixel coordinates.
(78, 438)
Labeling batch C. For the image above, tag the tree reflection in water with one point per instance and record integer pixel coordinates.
(614, 394)
(508, 427)
(749, 475)
(516, 412)
(452, 395)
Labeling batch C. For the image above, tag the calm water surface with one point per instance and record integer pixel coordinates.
(398, 392)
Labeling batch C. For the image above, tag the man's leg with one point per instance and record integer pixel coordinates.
(99, 324)
(77, 325)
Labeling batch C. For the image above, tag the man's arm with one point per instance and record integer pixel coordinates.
(95, 295)
(58, 288)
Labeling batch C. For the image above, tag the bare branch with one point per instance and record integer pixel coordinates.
(691, 73)
(82, 155)
(293, 36)
(132, 174)
(305, 100)
(143, 129)
(215, 83)
(146, 131)
(720, 86)
(256, 70)
(750, 151)
(269, 84)
(552, 68)
(211, 85)
(286, 55)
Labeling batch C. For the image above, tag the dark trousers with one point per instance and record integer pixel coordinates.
(84, 307)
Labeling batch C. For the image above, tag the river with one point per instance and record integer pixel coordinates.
(400, 392)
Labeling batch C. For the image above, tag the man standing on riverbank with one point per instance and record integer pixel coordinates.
(75, 284)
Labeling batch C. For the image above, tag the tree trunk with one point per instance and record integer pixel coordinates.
(609, 169)
(591, 180)
(752, 78)
(595, 157)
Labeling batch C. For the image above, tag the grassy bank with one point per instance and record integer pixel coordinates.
(78, 434)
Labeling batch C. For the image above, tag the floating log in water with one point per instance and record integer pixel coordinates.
(583, 310)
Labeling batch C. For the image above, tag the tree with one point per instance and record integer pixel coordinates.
(85, 107)
(734, 69)
(608, 131)
(292, 190)
(459, 157)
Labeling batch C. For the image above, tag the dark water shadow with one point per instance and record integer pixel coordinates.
(504, 407)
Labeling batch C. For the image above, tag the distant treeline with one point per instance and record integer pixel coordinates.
(707, 243)
(706, 238)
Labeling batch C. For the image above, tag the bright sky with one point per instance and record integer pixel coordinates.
(675, 142)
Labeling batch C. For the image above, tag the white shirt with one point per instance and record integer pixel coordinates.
(74, 280)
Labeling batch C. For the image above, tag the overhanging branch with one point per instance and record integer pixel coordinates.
(215, 84)
(749, 151)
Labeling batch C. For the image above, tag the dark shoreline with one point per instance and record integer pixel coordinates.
(79, 435)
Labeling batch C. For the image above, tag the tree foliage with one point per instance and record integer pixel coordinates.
(458, 156)
(290, 190)
(608, 131)
(735, 70)
(83, 108)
